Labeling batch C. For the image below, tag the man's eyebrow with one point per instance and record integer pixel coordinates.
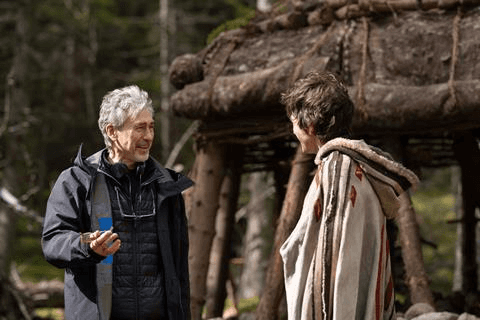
(144, 123)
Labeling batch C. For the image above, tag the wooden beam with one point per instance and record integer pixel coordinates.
(218, 269)
(417, 109)
(390, 6)
(416, 276)
(201, 223)
(417, 279)
(297, 188)
(468, 156)
(387, 108)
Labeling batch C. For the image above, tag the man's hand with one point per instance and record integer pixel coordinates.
(104, 243)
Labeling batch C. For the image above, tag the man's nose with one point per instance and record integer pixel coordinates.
(149, 135)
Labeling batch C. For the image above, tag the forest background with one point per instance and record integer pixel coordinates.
(57, 60)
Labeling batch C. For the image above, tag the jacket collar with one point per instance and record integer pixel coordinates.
(170, 180)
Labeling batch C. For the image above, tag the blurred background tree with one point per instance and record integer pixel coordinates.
(58, 58)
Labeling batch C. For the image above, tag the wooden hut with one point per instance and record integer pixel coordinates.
(413, 71)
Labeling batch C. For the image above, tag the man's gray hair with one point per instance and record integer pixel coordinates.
(119, 105)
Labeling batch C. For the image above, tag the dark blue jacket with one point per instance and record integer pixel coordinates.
(69, 213)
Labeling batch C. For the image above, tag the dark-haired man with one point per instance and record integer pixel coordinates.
(337, 260)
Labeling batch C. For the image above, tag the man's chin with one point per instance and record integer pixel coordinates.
(142, 157)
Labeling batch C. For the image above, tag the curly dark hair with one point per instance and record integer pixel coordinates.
(320, 98)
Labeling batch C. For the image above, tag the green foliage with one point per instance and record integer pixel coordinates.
(50, 313)
(28, 257)
(244, 305)
(434, 205)
(30, 262)
(240, 9)
(112, 43)
(243, 16)
(104, 12)
(281, 7)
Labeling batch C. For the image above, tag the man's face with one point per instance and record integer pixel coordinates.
(308, 139)
(132, 142)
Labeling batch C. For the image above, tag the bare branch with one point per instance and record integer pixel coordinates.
(37, 295)
(19, 208)
(14, 278)
(243, 211)
(179, 145)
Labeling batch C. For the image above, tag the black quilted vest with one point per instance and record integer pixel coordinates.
(138, 289)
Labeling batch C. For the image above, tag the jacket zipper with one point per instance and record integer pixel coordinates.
(135, 261)
(139, 192)
(135, 249)
(135, 270)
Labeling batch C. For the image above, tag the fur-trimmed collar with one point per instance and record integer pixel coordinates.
(364, 151)
(388, 177)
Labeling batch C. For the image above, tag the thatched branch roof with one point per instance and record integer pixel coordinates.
(395, 60)
(412, 68)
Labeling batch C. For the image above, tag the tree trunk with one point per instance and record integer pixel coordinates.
(253, 273)
(468, 156)
(457, 192)
(221, 247)
(91, 50)
(165, 114)
(18, 100)
(71, 84)
(201, 225)
(416, 276)
(409, 233)
(264, 6)
(299, 181)
(281, 175)
(6, 237)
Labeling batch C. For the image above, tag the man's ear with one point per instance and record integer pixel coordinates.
(310, 130)
(111, 132)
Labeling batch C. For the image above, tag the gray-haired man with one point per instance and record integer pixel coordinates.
(116, 222)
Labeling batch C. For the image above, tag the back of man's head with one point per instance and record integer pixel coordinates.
(320, 98)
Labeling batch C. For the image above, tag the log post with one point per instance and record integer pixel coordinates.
(252, 279)
(299, 181)
(416, 276)
(220, 254)
(468, 156)
(204, 204)
(409, 233)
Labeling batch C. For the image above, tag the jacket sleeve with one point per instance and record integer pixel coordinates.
(66, 217)
(184, 275)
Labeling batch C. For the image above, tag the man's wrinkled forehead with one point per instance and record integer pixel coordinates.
(142, 115)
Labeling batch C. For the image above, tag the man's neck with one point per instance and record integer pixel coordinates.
(112, 159)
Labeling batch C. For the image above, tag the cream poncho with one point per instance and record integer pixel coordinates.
(337, 260)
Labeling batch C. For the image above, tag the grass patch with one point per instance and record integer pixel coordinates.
(244, 305)
(50, 313)
(31, 263)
